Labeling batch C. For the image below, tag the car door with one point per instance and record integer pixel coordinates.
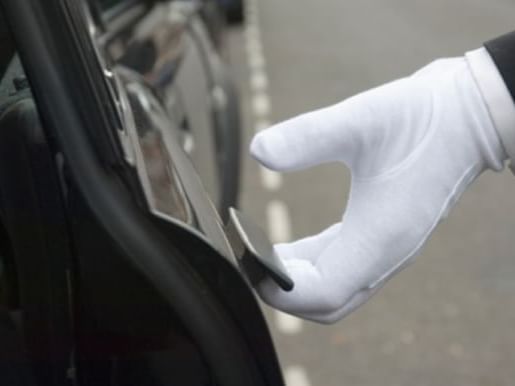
(143, 287)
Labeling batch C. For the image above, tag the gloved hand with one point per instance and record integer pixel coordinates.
(413, 146)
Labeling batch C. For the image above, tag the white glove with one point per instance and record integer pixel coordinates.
(413, 146)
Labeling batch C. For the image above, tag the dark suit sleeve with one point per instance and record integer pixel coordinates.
(502, 51)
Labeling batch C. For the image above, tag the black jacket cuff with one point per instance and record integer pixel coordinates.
(502, 51)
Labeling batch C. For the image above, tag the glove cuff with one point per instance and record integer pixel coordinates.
(498, 101)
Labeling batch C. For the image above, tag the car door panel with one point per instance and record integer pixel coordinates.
(153, 269)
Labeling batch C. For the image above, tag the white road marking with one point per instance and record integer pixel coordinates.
(253, 38)
(261, 105)
(296, 376)
(278, 217)
(251, 8)
(272, 181)
(279, 226)
(254, 48)
(252, 27)
(256, 60)
(258, 81)
(287, 324)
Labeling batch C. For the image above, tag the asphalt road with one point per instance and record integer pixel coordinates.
(449, 319)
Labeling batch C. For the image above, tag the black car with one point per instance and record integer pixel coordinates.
(115, 266)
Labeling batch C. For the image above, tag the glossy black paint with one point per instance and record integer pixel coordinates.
(155, 286)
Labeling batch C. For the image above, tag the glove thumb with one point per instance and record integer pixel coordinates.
(310, 139)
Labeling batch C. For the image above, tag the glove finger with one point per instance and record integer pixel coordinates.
(310, 139)
(357, 299)
(321, 290)
(346, 273)
(308, 248)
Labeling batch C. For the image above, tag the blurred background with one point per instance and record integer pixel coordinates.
(449, 319)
